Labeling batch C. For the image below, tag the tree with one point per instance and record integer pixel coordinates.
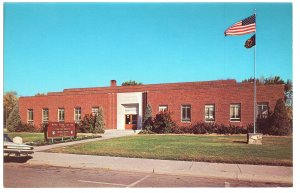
(147, 119)
(251, 80)
(14, 120)
(274, 80)
(163, 123)
(86, 125)
(288, 87)
(264, 81)
(288, 91)
(10, 100)
(289, 100)
(40, 94)
(279, 121)
(131, 83)
(99, 122)
(92, 123)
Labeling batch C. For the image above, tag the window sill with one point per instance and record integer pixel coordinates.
(210, 121)
(235, 121)
(185, 121)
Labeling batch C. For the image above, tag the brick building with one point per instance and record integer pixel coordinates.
(222, 101)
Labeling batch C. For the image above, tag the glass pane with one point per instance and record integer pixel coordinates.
(134, 119)
(238, 111)
(95, 110)
(206, 111)
(231, 112)
(127, 119)
(212, 114)
(188, 113)
(45, 115)
(183, 113)
(30, 115)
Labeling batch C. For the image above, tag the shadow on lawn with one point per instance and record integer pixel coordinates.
(243, 142)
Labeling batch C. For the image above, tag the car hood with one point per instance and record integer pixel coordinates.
(15, 144)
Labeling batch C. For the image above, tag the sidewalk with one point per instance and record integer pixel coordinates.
(257, 173)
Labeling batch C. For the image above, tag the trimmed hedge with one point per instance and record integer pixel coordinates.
(208, 128)
(202, 128)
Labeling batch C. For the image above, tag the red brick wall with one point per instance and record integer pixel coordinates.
(197, 94)
(221, 97)
(69, 102)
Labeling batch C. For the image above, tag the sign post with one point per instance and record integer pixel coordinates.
(58, 130)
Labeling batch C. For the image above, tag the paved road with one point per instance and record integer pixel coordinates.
(26, 175)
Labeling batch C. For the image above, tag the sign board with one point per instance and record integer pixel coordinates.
(61, 130)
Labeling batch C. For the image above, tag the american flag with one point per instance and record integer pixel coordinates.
(245, 26)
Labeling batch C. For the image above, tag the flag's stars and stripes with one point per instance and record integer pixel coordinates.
(245, 26)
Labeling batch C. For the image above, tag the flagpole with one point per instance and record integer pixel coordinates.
(254, 105)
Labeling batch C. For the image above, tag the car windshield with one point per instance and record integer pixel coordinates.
(6, 138)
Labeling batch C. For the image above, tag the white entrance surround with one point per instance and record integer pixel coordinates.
(132, 101)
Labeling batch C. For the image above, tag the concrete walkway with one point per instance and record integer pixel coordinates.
(113, 133)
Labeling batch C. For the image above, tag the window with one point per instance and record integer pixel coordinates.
(130, 119)
(61, 114)
(45, 115)
(163, 108)
(209, 112)
(262, 110)
(95, 110)
(186, 113)
(30, 116)
(77, 114)
(235, 112)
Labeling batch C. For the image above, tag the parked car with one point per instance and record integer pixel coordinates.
(11, 148)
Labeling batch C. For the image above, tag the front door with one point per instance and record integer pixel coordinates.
(130, 121)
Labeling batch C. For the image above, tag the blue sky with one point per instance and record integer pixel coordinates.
(52, 46)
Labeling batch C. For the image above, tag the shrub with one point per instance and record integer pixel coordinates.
(147, 119)
(86, 125)
(204, 128)
(24, 127)
(198, 128)
(163, 123)
(263, 125)
(92, 123)
(280, 123)
(14, 119)
(99, 122)
(178, 130)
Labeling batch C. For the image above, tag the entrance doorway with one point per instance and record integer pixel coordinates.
(130, 121)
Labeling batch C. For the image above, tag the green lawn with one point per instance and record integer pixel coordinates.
(227, 149)
(39, 137)
(27, 137)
